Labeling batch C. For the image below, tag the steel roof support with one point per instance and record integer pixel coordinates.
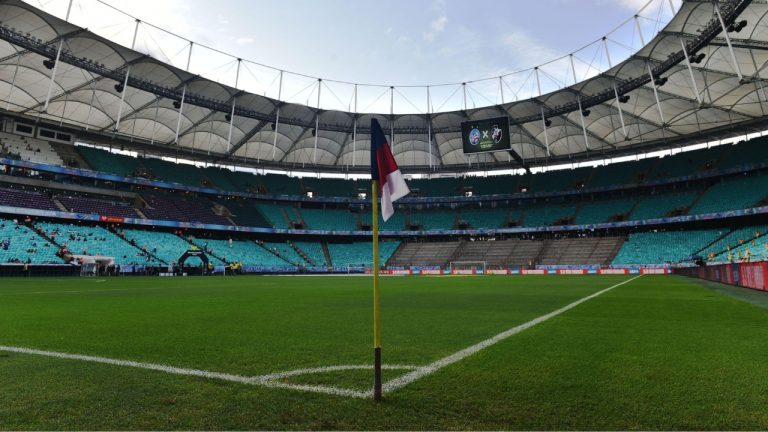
(354, 132)
(578, 98)
(183, 96)
(690, 71)
(56, 62)
(656, 96)
(13, 83)
(543, 118)
(277, 117)
(429, 127)
(728, 41)
(317, 119)
(234, 103)
(125, 82)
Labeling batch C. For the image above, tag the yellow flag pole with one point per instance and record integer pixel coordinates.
(376, 320)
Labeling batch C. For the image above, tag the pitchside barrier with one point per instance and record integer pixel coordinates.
(567, 270)
(752, 275)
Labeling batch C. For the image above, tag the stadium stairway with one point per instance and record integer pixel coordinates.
(69, 155)
(302, 254)
(327, 254)
(58, 204)
(149, 252)
(275, 251)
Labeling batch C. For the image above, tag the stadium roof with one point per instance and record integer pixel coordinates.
(670, 102)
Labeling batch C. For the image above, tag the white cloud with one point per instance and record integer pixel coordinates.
(245, 41)
(526, 50)
(437, 26)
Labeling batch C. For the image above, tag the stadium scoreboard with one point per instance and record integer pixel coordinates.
(484, 136)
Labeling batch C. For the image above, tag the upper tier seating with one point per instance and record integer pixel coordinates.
(329, 219)
(30, 149)
(436, 186)
(25, 199)
(659, 206)
(689, 163)
(20, 244)
(561, 180)
(433, 219)
(602, 211)
(624, 173)
(274, 214)
(545, 215)
(343, 254)
(245, 214)
(88, 240)
(174, 172)
(751, 152)
(329, 187)
(188, 209)
(484, 218)
(663, 247)
(101, 160)
(732, 194)
(494, 185)
(95, 206)
(281, 185)
(220, 177)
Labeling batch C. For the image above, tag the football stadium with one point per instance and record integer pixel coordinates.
(581, 244)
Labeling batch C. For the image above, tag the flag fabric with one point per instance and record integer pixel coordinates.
(384, 169)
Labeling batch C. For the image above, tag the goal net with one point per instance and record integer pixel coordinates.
(359, 268)
(467, 267)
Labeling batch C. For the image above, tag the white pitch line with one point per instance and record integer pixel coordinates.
(466, 352)
(270, 380)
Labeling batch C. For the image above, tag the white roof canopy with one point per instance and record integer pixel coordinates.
(721, 94)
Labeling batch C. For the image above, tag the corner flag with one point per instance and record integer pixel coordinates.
(384, 170)
(387, 178)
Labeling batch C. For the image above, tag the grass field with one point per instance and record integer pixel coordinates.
(653, 353)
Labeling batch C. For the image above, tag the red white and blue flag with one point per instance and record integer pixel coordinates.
(384, 169)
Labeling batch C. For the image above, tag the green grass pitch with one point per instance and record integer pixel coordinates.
(654, 353)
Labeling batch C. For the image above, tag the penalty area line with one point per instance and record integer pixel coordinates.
(431, 368)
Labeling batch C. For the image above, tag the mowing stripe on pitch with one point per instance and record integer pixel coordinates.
(466, 352)
(273, 380)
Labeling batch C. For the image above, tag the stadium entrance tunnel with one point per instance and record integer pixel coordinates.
(193, 254)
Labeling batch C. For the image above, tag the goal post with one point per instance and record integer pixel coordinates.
(359, 268)
(467, 267)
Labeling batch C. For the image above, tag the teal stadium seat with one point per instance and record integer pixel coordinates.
(602, 211)
(732, 194)
(343, 254)
(104, 161)
(18, 242)
(547, 215)
(663, 247)
(659, 206)
(88, 240)
(314, 252)
(329, 219)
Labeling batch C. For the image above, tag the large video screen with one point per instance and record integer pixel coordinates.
(488, 135)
